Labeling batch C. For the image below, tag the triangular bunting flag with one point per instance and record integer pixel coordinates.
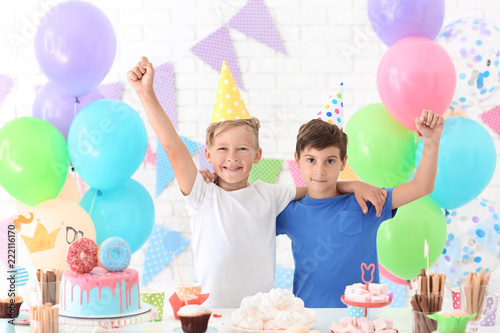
(164, 171)
(160, 251)
(112, 90)
(297, 177)
(203, 160)
(254, 21)
(164, 87)
(266, 170)
(492, 118)
(216, 48)
(283, 278)
(348, 174)
(5, 86)
(150, 156)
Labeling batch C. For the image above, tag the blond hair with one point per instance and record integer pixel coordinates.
(217, 128)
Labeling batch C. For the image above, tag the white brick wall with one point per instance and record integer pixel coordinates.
(327, 41)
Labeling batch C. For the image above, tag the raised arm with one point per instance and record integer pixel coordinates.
(430, 125)
(141, 79)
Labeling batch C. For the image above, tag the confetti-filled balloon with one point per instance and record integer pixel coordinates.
(473, 240)
(474, 47)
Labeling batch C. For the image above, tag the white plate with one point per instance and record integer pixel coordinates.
(145, 308)
(310, 325)
(209, 330)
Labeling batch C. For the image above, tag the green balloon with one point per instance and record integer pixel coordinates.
(400, 241)
(381, 151)
(34, 160)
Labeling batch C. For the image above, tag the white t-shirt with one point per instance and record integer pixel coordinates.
(234, 238)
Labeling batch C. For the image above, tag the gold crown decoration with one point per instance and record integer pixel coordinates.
(228, 104)
(42, 240)
(22, 220)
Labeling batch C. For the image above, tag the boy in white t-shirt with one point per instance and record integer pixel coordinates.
(233, 222)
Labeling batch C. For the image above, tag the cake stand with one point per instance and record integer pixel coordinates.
(150, 312)
(366, 305)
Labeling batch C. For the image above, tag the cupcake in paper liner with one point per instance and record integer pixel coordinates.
(452, 322)
(194, 318)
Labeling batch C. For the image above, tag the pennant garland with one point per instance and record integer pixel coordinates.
(164, 87)
(112, 90)
(160, 251)
(492, 118)
(296, 175)
(398, 291)
(254, 21)
(164, 172)
(5, 86)
(150, 156)
(283, 278)
(203, 160)
(216, 48)
(266, 170)
(348, 174)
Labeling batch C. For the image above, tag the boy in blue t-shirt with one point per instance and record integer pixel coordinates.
(330, 234)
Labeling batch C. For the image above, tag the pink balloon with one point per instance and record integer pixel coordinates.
(415, 73)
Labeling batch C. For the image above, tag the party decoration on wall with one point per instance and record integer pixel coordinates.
(283, 278)
(65, 47)
(57, 223)
(332, 111)
(381, 151)
(4, 244)
(473, 44)
(59, 109)
(160, 251)
(5, 86)
(267, 170)
(492, 118)
(112, 90)
(414, 74)
(125, 211)
(34, 161)
(472, 242)
(202, 159)
(216, 48)
(254, 20)
(164, 87)
(164, 172)
(150, 156)
(393, 20)
(296, 175)
(400, 240)
(347, 174)
(228, 103)
(398, 293)
(107, 143)
(471, 161)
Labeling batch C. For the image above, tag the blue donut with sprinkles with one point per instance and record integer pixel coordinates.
(114, 254)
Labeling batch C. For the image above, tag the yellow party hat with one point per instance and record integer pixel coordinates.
(229, 104)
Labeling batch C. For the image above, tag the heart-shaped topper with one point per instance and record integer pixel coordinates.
(368, 268)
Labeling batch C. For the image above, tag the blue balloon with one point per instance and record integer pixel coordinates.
(467, 159)
(107, 143)
(126, 211)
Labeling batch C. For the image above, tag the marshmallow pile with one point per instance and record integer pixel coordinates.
(376, 293)
(277, 310)
(362, 325)
(454, 313)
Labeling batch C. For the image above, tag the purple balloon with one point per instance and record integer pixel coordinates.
(393, 20)
(59, 109)
(75, 46)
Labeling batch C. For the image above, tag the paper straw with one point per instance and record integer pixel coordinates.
(180, 277)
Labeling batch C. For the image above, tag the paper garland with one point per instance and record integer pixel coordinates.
(112, 90)
(266, 170)
(492, 118)
(348, 174)
(283, 278)
(164, 87)
(203, 160)
(297, 177)
(5, 86)
(160, 251)
(150, 156)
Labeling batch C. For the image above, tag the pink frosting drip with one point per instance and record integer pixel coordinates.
(99, 277)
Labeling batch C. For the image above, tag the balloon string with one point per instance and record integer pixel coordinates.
(76, 186)
(92, 206)
(74, 106)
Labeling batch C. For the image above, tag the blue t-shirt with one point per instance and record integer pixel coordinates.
(330, 239)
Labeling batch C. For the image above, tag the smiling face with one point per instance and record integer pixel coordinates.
(320, 170)
(232, 154)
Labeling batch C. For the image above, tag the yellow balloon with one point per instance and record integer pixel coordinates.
(55, 225)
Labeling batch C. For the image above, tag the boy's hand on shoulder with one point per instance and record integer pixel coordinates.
(430, 125)
(366, 192)
(208, 176)
(141, 76)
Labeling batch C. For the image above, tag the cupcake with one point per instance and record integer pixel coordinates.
(9, 307)
(194, 318)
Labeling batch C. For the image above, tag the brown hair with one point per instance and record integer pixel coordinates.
(222, 126)
(319, 134)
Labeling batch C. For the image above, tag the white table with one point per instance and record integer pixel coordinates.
(400, 316)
